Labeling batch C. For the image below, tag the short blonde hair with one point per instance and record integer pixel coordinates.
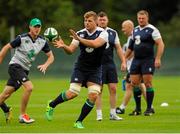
(143, 12)
(89, 14)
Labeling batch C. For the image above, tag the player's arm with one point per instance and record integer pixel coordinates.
(160, 49)
(48, 62)
(128, 53)
(98, 42)
(4, 51)
(50, 58)
(121, 56)
(68, 49)
(130, 49)
(130, 56)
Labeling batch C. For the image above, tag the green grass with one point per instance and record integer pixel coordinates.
(165, 120)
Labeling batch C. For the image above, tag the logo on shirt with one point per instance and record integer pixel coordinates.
(81, 35)
(31, 54)
(75, 79)
(27, 41)
(18, 82)
(150, 69)
(89, 49)
(24, 79)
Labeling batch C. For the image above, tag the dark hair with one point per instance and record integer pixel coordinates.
(102, 14)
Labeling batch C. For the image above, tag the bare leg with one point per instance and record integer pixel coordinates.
(99, 102)
(8, 90)
(28, 86)
(128, 94)
(112, 90)
(143, 89)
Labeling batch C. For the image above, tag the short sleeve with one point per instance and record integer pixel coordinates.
(16, 42)
(116, 42)
(46, 48)
(104, 35)
(131, 44)
(156, 34)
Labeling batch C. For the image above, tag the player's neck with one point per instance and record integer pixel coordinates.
(142, 26)
(33, 36)
(92, 30)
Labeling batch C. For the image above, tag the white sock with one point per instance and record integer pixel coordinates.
(122, 106)
(99, 112)
(113, 111)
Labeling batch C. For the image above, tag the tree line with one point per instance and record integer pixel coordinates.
(65, 14)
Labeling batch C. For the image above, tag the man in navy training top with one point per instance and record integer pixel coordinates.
(87, 70)
(144, 63)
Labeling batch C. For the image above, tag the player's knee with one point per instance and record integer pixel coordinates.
(70, 95)
(92, 97)
(113, 89)
(29, 88)
(93, 92)
(5, 96)
(75, 89)
(134, 84)
(148, 84)
(129, 87)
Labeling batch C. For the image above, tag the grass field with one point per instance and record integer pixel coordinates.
(165, 120)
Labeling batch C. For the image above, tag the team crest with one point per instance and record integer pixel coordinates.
(81, 35)
(89, 49)
(150, 69)
(135, 30)
(75, 79)
(26, 41)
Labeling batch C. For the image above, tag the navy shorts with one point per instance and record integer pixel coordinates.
(17, 76)
(80, 76)
(109, 74)
(142, 66)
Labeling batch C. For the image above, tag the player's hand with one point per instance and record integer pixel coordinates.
(157, 63)
(73, 34)
(58, 43)
(42, 68)
(123, 67)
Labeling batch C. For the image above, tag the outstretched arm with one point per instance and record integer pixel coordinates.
(4, 51)
(49, 61)
(68, 49)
